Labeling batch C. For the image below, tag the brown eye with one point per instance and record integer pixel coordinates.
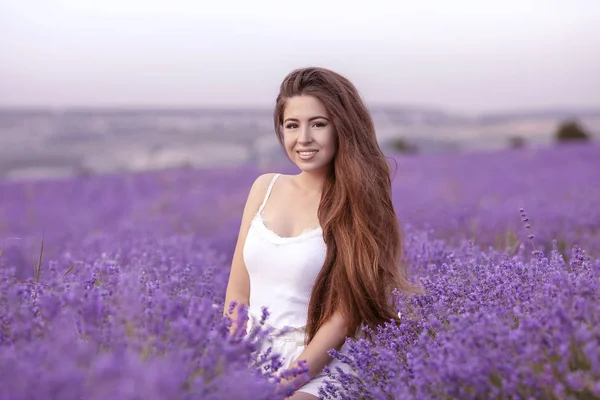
(291, 126)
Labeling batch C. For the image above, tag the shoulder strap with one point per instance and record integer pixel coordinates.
(268, 192)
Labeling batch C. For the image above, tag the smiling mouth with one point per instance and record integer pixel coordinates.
(307, 155)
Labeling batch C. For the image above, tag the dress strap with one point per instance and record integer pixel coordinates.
(268, 193)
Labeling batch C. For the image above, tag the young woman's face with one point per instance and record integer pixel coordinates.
(308, 133)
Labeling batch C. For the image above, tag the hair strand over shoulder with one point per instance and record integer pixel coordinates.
(364, 264)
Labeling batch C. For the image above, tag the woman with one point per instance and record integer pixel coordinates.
(320, 249)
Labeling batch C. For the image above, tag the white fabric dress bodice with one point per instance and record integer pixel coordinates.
(282, 270)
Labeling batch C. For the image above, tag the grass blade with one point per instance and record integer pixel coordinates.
(69, 270)
(39, 267)
(33, 259)
(97, 282)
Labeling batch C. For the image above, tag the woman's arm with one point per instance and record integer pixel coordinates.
(238, 286)
(331, 335)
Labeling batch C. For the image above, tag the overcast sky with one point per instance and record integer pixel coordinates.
(463, 55)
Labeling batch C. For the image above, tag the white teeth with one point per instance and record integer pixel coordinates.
(307, 155)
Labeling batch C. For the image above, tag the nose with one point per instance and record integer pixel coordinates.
(305, 135)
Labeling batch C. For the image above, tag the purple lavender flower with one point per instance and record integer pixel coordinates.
(128, 296)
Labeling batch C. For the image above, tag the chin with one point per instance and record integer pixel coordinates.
(304, 168)
(313, 167)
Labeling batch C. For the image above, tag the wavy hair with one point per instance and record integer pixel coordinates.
(364, 263)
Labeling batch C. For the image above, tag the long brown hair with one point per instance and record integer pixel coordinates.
(360, 228)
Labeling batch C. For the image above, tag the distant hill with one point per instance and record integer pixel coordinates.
(546, 113)
(396, 114)
(47, 142)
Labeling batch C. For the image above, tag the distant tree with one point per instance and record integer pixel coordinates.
(517, 142)
(187, 165)
(83, 171)
(571, 131)
(401, 145)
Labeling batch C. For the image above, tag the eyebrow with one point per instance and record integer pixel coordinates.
(310, 119)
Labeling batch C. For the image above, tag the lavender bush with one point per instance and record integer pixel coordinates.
(143, 322)
(112, 286)
(491, 326)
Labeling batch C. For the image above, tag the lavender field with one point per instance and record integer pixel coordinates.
(112, 286)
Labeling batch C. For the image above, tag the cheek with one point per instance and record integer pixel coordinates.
(288, 144)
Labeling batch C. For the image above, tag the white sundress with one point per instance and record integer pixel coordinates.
(282, 272)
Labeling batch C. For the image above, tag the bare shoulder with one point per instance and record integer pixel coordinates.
(256, 196)
(259, 187)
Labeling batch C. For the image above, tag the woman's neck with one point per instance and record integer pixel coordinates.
(311, 182)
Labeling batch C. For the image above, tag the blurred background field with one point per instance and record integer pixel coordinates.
(458, 197)
(62, 143)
